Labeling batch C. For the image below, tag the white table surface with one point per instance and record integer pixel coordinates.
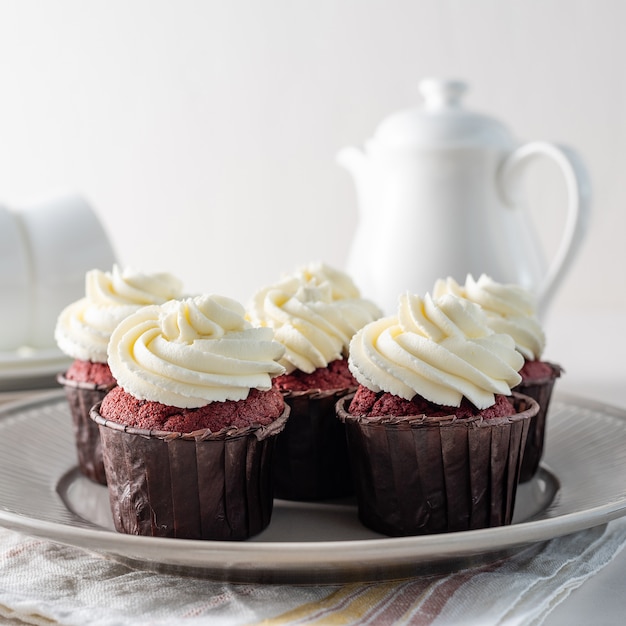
(591, 348)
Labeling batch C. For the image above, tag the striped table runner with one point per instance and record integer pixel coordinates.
(43, 583)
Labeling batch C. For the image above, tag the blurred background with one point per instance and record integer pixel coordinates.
(204, 133)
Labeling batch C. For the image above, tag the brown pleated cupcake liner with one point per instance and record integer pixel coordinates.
(199, 485)
(420, 475)
(81, 397)
(312, 461)
(541, 391)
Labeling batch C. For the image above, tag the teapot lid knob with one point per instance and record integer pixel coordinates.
(440, 122)
(438, 93)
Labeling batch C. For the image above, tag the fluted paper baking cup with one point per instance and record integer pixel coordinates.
(199, 485)
(312, 460)
(81, 397)
(419, 475)
(541, 391)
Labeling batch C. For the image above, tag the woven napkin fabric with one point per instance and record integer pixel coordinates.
(44, 583)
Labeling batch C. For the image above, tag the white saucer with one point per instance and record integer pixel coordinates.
(29, 368)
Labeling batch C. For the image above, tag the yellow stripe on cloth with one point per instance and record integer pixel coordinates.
(347, 605)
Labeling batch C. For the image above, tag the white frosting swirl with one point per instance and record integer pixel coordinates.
(314, 313)
(188, 353)
(441, 349)
(84, 327)
(510, 309)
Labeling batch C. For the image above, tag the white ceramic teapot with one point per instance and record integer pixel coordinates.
(436, 189)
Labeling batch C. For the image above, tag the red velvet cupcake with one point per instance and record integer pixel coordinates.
(188, 434)
(538, 379)
(82, 332)
(86, 383)
(435, 436)
(511, 309)
(314, 312)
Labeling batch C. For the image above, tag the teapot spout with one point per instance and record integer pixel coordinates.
(357, 163)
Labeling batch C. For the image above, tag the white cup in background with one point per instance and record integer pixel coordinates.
(15, 283)
(65, 239)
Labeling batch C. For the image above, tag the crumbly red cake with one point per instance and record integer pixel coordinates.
(260, 407)
(536, 370)
(370, 403)
(90, 372)
(335, 376)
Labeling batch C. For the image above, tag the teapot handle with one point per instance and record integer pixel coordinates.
(578, 206)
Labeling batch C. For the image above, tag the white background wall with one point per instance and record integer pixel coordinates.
(204, 133)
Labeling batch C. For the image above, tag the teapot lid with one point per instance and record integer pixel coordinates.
(441, 122)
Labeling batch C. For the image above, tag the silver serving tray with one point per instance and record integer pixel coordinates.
(582, 483)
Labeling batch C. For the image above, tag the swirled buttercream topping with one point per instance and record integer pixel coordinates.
(510, 309)
(84, 327)
(188, 353)
(441, 349)
(341, 286)
(314, 313)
